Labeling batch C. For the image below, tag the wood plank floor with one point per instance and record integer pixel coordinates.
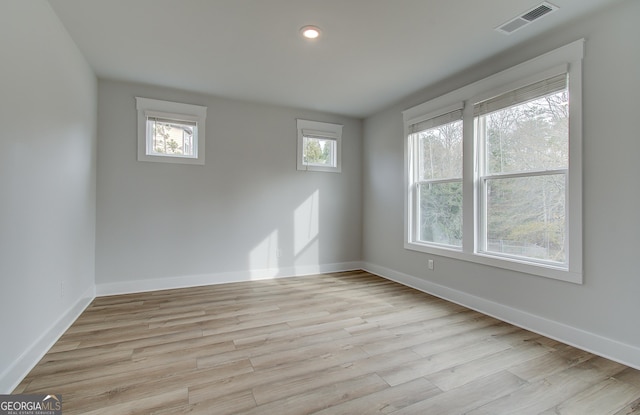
(343, 343)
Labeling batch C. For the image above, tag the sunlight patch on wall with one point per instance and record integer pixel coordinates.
(306, 223)
(263, 259)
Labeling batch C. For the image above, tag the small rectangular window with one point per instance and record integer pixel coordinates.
(170, 132)
(319, 146)
(319, 151)
(171, 138)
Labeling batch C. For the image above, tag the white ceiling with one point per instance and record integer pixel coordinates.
(371, 52)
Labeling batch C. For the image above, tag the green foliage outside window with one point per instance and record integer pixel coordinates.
(317, 151)
(526, 215)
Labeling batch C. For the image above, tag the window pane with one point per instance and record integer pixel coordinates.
(527, 137)
(440, 152)
(171, 138)
(441, 213)
(526, 217)
(319, 152)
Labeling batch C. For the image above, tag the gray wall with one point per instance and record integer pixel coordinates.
(232, 215)
(47, 183)
(608, 303)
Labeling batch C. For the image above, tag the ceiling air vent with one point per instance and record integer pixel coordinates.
(526, 18)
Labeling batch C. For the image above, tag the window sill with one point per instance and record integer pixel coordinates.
(540, 270)
(171, 159)
(327, 169)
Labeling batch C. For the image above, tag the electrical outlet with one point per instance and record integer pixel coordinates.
(431, 264)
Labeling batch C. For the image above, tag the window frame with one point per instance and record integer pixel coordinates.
(414, 150)
(323, 131)
(566, 59)
(175, 111)
(483, 177)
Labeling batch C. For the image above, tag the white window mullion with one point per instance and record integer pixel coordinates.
(480, 200)
(469, 166)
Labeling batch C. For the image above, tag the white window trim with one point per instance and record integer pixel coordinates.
(176, 111)
(323, 130)
(567, 58)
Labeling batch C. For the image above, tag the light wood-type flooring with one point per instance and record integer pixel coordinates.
(342, 343)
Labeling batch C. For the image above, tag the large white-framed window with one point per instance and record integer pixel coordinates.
(170, 132)
(319, 146)
(519, 193)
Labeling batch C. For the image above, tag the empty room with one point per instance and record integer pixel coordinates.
(319, 207)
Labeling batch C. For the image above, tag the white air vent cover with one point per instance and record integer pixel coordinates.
(526, 18)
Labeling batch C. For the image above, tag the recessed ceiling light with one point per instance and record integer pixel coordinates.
(310, 32)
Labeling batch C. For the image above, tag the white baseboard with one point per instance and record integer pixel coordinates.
(127, 287)
(13, 375)
(611, 349)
